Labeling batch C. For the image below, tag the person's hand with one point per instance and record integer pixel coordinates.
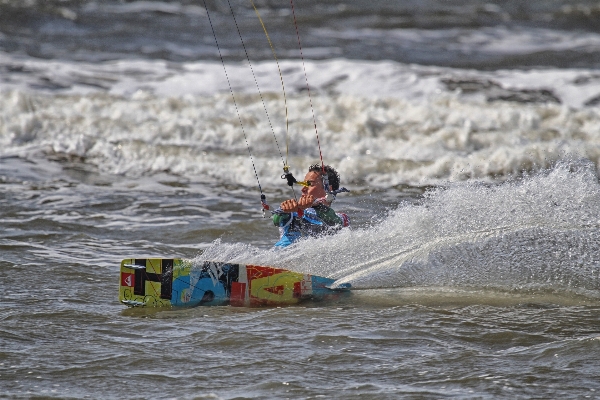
(306, 201)
(292, 205)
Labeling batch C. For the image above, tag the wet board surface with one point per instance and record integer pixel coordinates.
(162, 282)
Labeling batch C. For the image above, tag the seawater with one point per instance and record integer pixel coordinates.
(466, 291)
(467, 134)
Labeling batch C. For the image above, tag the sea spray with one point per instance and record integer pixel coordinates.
(535, 233)
(384, 142)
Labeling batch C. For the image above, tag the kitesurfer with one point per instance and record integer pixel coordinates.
(311, 215)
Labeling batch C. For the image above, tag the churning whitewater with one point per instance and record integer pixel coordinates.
(379, 142)
(468, 133)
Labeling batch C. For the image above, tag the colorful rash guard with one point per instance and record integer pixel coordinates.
(315, 221)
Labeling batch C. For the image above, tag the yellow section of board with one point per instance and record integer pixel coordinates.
(127, 285)
(181, 268)
(276, 288)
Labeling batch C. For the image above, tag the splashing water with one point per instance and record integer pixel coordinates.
(536, 233)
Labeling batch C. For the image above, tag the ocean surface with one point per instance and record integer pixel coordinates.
(468, 133)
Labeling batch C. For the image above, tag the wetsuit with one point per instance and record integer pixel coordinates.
(316, 220)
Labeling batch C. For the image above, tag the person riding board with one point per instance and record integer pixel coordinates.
(311, 215)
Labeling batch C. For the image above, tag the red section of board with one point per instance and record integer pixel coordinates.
(258, 271)
(238, 294)
(297, 290)
(278, 290)
(127, 279)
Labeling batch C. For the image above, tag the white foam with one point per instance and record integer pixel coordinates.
(380, 123)
(382, 142)
(378, 79)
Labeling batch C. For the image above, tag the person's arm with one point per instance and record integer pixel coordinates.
(283, 214)
(302, 204)
(281, 218)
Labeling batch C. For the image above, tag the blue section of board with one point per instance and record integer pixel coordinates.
(177, 282)
(203, 286)
(320, 285)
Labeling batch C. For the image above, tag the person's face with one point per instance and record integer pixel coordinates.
(316, 185)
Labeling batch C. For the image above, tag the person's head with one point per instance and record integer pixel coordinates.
(314, 177)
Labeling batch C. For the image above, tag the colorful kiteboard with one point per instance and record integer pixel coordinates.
(162, 282)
